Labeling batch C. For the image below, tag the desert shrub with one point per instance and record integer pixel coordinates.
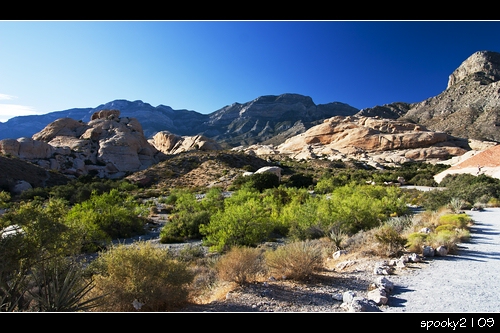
(296, 261)
(190, 253)
(189, 213)
(245, 224)
(183, 226)
(447, 227)
(363, 207)
(36, 193)
(471, 188)
(401, 223)
(416, 240)
(240, 265)
(300, 180)
(338, 237)
(258, 181)
(299, 218)
(105, 217)
(456, 205)
(4, 199)
(33, 273)
(43, 227)
(457, 220)
(389, 239)
(493, 202)
(140, 278)
(448, 238)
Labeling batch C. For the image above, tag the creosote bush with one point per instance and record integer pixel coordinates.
(141, 275)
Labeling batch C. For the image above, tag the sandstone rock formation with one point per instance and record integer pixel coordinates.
(485, 162)
(169, 143)
(379, 140)
(107, 146)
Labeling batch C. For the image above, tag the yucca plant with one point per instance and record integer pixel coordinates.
(63, 289)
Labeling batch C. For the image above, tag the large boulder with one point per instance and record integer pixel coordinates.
(107, 146)
(169, 143)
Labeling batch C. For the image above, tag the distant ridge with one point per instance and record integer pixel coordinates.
(251, 122)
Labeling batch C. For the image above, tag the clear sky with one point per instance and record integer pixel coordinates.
(48, 66)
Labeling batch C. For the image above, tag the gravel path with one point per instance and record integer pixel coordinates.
(466, 282)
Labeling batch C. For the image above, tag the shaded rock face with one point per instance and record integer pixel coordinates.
(269, 118)
(107, 146)
(468, 108)
(16, 174)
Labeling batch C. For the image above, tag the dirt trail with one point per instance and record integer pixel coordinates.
(466, 282)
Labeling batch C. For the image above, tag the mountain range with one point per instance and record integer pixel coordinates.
(122, 137)
(468, 108)
(238, 124)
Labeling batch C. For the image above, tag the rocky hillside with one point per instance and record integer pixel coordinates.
(18, 175)
(270, 119)
(468, 108)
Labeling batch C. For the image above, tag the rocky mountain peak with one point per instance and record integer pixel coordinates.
(484, 66)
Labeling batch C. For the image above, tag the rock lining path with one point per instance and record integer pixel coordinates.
(466, 282)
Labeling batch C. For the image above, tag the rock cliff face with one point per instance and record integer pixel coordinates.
(468, 108)
(107, 146)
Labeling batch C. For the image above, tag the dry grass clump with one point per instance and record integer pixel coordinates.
(296, 261)
(240, 265)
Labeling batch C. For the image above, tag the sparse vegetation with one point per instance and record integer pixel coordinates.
(319, 207)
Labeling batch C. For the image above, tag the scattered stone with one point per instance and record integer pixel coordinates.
(442, 251)
(428, 251)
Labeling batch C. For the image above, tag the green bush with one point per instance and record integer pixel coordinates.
(4, 199)
(258, 181)
(189, 213)
(105, 217)
(183, 226)
(141, 275)
(415, 241)
(447, 238)
(457, 220)
(244, 221)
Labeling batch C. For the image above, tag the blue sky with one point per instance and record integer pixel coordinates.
(48, 66)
